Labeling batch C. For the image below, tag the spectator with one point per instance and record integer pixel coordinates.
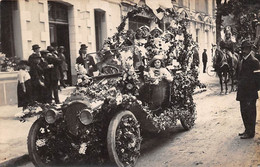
(247, 89)
(63, 67)
(36, 50)
(24, 87)
(86, 60)
(204, 60)
(37, 79)
(53, 75)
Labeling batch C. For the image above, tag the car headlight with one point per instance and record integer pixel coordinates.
(85, 117)
(52, 115)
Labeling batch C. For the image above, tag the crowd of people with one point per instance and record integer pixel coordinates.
(40, 78)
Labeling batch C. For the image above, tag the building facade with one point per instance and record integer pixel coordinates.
(74, 22)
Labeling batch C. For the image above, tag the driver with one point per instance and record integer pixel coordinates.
(157, 70)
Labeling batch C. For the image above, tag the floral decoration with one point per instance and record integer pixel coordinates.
(8, 64)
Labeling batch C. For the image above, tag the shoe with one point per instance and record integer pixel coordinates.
(247, 136)
(64, 85)
(241, 134)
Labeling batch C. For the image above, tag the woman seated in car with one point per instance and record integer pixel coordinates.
(157, 70)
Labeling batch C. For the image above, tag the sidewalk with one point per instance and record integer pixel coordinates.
(13, 133)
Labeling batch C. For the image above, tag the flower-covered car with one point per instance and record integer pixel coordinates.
(107, 118)
(106, 114)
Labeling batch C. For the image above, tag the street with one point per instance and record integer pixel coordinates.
(213, 141)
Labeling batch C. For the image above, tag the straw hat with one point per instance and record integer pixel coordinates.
(157, 57)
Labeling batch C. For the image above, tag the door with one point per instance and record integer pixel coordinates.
(59, 30)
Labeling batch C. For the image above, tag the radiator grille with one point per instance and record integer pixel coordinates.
(71, 117)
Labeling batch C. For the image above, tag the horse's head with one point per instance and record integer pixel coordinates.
(220, 59)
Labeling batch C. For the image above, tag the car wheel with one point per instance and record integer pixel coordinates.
(123, 139)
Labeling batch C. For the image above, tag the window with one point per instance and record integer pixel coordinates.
(6, 28)
(57, 12)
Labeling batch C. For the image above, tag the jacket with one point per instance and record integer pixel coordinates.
(247, 81)
(53, 73)
(204, 57)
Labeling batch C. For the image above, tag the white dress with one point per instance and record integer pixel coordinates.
(160, 73)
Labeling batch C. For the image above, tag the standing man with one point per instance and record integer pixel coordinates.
(86, 60)
(204, 60)
(53, 75)
(63, 66)
(247, 89)
(36, 50)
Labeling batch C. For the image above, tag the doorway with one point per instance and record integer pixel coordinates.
(59, 31)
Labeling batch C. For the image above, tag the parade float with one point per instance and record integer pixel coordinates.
(106, 115)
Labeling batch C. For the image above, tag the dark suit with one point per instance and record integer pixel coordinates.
(52, 76)
(88, 63)
(247, 92)
(204, 60)
(36, 73)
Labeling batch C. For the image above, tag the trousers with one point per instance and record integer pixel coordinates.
(248, 113)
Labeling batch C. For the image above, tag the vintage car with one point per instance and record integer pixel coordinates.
(89, 127)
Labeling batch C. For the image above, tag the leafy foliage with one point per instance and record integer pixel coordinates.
(245, 17)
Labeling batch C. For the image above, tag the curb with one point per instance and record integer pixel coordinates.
(16, 161)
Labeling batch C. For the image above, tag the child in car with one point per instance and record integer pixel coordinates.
(157, 70)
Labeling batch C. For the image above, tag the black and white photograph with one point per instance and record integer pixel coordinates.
(130, 83)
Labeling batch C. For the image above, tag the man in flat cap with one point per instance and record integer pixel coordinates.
(247, 89)
(86, 60)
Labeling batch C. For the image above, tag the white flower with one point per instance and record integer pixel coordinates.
(139, 102)
(119, 99)
(76, 67)
(156, 82)
(129, 86)
(42, 130)
(26, 111)
(19, 115)
(38, 109)
(79, 81)
(81, 69)
(83, 148)
(41, 142)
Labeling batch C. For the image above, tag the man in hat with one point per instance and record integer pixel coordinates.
(55, 47)
(36, 50)
(204, 60)
(146, 31)
(86, 60)
(53, 75)
(247, 89)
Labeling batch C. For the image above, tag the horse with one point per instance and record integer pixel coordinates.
(226, 68)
